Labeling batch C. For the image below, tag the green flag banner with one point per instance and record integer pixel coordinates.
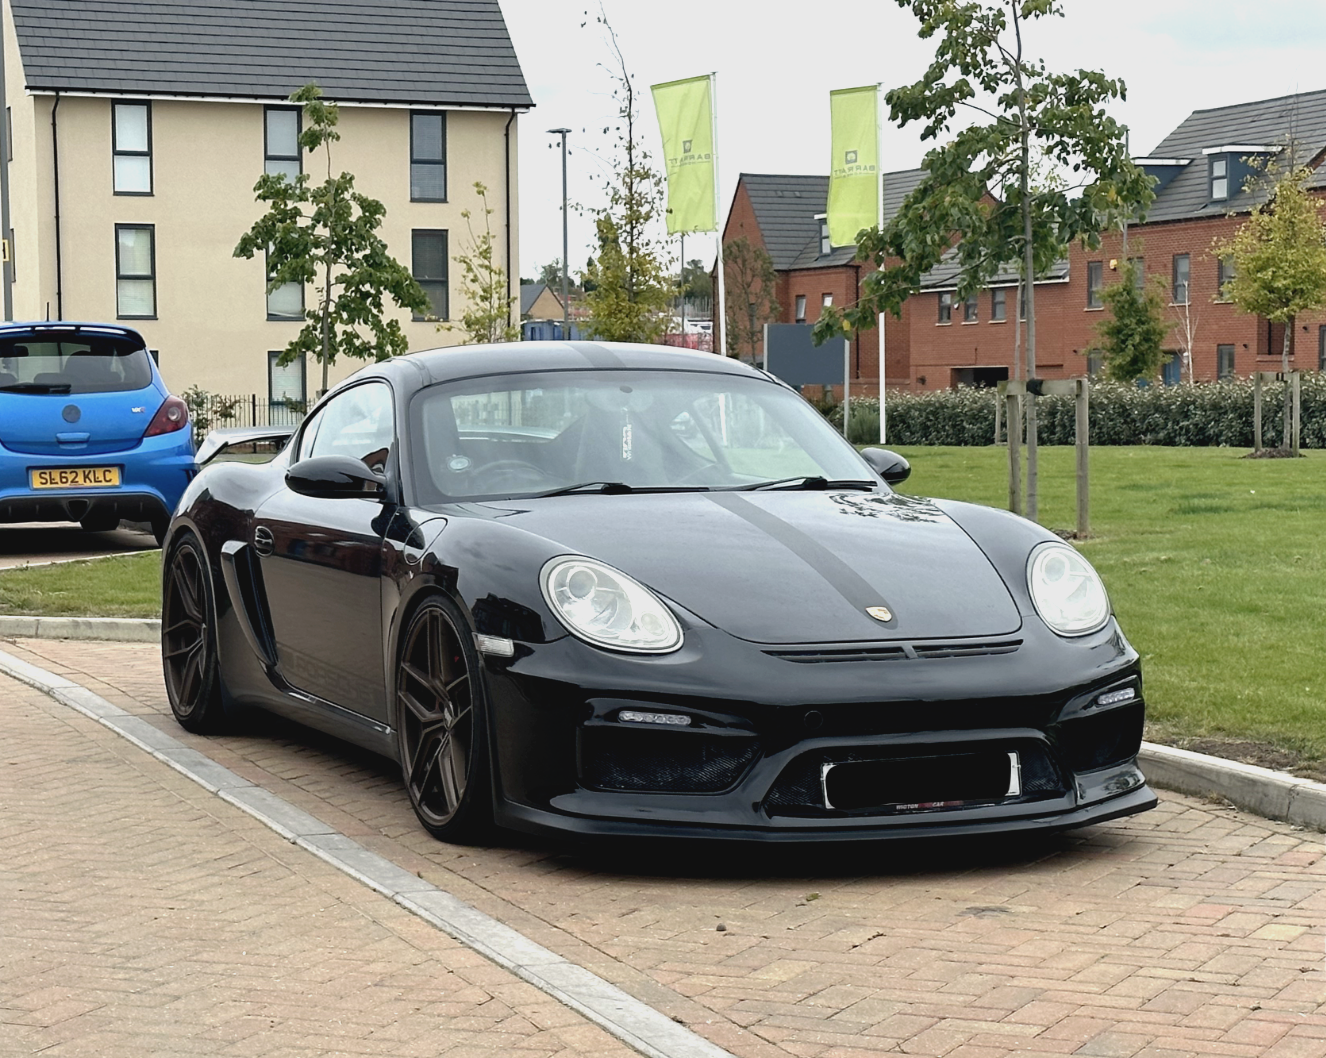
(854, 175)
(685, 118)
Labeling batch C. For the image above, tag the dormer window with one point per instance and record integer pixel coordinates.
(1219, 177)
(826, 247)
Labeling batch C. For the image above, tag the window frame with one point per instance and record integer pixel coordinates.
(971, 312)
(1095, 285)
(442, 162)
(1224, 276)
(267, 297)
(1174, 279)
(116, 152)
(945, 308)
(1221, 374)
(267, 155)
(1222, 177)
(999, 305)
(119, 275)
(826, 301)
(445, 315)
(799, 308)
(826, 245)
(274, 355)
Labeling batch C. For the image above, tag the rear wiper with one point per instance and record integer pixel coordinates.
(812, 483)
(612, 488)
(36, 387)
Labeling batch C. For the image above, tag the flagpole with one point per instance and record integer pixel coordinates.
(879, 161)
(720, 320)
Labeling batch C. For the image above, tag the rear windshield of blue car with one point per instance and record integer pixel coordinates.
(86, 364)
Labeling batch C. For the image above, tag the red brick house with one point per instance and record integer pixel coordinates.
(1199, 168)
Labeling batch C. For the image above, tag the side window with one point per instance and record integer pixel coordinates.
(358, 423)
(309, 435)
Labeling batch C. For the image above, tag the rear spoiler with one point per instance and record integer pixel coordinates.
(219, 440)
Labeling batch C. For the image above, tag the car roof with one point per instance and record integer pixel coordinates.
(67, 328)
(467, 361)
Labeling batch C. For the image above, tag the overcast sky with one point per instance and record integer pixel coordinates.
(776, 64)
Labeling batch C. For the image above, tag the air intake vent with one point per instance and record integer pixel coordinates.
(898, 653)
(965, 650)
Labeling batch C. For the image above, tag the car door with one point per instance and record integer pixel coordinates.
(322, 560)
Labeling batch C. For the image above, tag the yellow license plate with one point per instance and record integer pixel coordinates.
(75, 478)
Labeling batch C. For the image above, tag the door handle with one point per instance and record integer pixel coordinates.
(263, 540)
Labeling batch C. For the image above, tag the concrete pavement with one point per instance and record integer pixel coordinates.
(1192, 930)
(39, 543)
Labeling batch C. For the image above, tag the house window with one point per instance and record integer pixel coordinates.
(826, 300)
(1139, 273)
(428, 157)
(1225, 360)
(281, 153)
(286, 302)
(135, 272)
(999, 305)
(826, 247)
(946, 308)
(1095, 362)
(1095, 276)
(1181, 265)
(429, 266)
(131, 146)
(969, 310)
(1321, 347)
(1219, 177)
(1171, 372)
(801, 308)
(285, 383)
(1224, 273)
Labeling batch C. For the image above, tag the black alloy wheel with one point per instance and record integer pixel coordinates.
(188, 640)
(440, 719)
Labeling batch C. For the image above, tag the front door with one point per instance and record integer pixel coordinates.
(322, 562)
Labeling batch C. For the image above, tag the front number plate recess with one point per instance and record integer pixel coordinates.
(910, 783)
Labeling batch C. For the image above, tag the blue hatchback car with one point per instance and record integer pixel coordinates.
(88, 431)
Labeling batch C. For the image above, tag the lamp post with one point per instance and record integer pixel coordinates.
(566, 305)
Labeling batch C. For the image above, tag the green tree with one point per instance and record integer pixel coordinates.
(749, 274)
(1135, 329)
(550, 275)
(628, 286)
(696, 282)
(487, 315)
(1279, 256)
(979, 201)
(327, 236)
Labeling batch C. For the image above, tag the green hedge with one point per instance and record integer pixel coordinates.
(1204, 414)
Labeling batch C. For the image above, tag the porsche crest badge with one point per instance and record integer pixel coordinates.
(880, 613)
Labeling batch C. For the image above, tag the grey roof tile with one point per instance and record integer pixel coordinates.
(428, 52)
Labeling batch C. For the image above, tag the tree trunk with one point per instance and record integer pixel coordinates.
(1284, 368)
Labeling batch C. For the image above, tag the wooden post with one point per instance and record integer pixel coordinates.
(999, 413)
(1256, 411)
(1295, 380)
(1083, 448)
(1014, 419)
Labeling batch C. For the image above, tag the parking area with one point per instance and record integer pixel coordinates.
(33, 543)
(1191, 930)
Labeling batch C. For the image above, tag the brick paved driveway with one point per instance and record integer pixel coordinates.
(1190, 930)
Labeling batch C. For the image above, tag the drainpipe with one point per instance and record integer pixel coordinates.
(55, 159)
(506, 136)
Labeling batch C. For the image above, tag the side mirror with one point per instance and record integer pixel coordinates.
(888, 465)
(331, 477)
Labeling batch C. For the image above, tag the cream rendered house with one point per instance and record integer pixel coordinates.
(137, 128)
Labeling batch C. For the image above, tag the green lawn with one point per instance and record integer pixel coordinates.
(1217, 573)
(124, 586)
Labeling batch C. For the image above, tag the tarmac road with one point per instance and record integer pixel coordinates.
(31, 543)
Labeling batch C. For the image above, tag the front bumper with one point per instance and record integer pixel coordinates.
(750, 765)
(153, 476)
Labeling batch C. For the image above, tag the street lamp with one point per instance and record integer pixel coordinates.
(566, 306)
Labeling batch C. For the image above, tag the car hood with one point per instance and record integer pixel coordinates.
(788, 566)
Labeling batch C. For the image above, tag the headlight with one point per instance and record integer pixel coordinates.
(1067, 592)
(605, 607)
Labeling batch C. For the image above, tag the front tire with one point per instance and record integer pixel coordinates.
(188, 639)
(442, 725)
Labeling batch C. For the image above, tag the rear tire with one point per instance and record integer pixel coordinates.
(442, 726)
(188, 639)
(100, 521)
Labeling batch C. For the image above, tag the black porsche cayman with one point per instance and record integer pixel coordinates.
(615, 590)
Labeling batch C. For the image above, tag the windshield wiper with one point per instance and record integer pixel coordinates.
(612, 488)
(36, 387)
(811, 483)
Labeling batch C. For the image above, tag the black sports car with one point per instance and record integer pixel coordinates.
(615, 590)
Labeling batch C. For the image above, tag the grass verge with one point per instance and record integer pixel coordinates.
(123, 586)
(1217, 572)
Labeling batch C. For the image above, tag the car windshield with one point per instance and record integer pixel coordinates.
(524, 435)
(85, 364)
